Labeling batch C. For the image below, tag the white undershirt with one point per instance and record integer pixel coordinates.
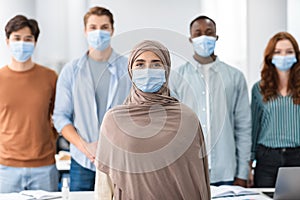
(205, 69)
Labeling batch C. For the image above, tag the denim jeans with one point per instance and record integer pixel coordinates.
(81, 179)
(268, 161)
(222, 183)
(16, 179)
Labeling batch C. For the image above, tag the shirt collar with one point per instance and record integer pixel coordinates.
(112, 59)
(196, 65)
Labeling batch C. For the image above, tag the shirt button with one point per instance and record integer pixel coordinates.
(203, 126)
(201, 76)
(203, 109)
(203, 93)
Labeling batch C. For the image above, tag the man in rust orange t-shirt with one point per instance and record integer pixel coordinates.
(27, 93)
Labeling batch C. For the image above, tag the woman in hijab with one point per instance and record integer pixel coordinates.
(151, 147)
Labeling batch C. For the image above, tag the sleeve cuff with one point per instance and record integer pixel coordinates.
(243, 170)
(252, 155)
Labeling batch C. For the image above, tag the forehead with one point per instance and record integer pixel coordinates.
(98, 20)
(23, 31)
(147, 56)
(203, 24)
(283, 44)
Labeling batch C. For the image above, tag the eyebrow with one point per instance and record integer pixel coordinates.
(27, 36)
(89, 25)
(142, 60)
(155, 60)
(107, 24)
(291, 48)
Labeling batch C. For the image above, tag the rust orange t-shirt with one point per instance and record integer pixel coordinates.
(27, 138)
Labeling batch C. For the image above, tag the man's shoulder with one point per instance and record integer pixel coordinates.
(230, 68)
(118, 58)
(183, 68)
(71, 66)
(232, 73)
(46, 69)
(3, 68)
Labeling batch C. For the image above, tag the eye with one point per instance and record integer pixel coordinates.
(276, 52)
(209, 33)
(196, 34)
(157, 65)
(92, 27)
(29, 39)
(139, 65)
(16, 38)
(290, 52)
(105, 27)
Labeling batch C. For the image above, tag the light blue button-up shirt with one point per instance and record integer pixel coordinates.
(227, 132)
(76, 103)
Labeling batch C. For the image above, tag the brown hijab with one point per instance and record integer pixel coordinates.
(163, 95)
(152, 147)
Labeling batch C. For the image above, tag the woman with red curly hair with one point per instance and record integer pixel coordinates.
(276, 110)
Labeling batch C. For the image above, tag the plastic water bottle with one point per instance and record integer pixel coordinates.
(65, 190)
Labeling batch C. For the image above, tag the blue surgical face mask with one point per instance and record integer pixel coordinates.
(284, 63)
(98, 39)
(149, 80)
(21, 51)
(204, 45)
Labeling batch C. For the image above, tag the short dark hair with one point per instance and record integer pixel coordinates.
(18, 22)
(202, 17)
(99, 11)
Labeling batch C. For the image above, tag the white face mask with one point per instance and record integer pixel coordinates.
(98, 39)
(21, 51)
(284, 63)
(204, 45)
(149, 80)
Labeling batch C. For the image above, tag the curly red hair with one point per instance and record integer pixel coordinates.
(269, 77)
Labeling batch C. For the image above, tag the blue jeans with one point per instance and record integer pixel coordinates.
(16, 179)
(222, 183)
(81, 179)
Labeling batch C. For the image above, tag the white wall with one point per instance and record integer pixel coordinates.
(166, 21)
(136, 14)
(9, 9)
(293, 17)
(62, 31)
(230, 17)
(244, 27)
(264, 19)
(52, 47)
